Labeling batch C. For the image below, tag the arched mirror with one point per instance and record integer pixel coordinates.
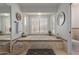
(61, 18)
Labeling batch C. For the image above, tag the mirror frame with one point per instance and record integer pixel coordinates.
(58, 18)
(18, 16)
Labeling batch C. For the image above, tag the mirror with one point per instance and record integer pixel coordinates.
(61, 18)
(4, 28)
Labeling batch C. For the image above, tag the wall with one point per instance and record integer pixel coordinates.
(63, 31)
(14, 9)
(0, 23)
(7, 18)
(25, 25)
(75, 20)
(75, 15)
(52, 23)
(5, 24)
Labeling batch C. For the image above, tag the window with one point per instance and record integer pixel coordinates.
(39, 24)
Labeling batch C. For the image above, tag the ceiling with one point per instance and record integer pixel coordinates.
(32, 7)
(4, 8)
(39, 7)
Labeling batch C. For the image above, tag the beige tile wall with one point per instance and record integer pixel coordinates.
(75, 33)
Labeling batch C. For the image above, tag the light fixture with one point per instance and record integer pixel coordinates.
(4, 14)
(38, 13)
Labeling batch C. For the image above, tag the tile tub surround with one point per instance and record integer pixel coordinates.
(39, 37)
(20, 47)
(57, 47)
(4, 37)
(41, 42)
(48, 43)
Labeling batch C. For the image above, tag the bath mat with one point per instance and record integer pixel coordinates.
(40, 52)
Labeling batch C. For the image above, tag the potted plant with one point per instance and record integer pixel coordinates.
(0, 32)
(49, 33)
(23, 34)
